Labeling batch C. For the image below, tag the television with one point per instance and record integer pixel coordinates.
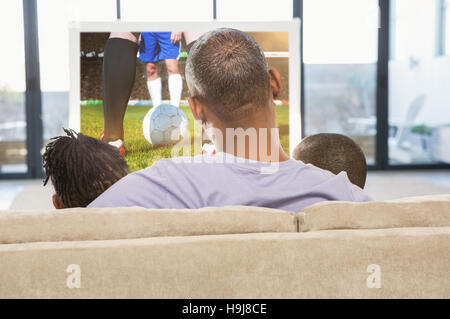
(280, 41)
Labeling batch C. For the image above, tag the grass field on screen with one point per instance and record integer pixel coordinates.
(139, 153)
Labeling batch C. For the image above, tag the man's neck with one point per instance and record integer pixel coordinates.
(280, 156)
(255, 137)
(259, 144)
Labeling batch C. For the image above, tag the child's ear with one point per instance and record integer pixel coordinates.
(57, 202)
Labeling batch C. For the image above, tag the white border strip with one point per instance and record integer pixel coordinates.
(149, 102)
(295, 123)
(276, 54)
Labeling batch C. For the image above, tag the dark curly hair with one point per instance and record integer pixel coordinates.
(81, 167)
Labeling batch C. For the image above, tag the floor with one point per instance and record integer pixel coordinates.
(30, 194)
(25, 194)
(396, 184)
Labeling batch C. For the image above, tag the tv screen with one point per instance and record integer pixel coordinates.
(158, 115)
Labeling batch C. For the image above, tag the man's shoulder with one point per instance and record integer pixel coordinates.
(188, 160)
(311, 169)
(227, 160)
(166, 166)
(332, 182)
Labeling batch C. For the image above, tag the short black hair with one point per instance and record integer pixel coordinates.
(81, 167)
(335, 153)
(226, 69)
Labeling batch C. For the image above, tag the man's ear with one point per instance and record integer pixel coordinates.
(275, 83)
(57, 202)
(196, 108)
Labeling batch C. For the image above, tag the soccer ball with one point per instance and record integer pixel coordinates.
(165, 124)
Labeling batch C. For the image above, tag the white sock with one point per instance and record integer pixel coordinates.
(175, 89)
(154, 88)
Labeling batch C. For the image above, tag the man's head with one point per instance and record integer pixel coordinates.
(81, 168)
(229, 80)
(335, 153)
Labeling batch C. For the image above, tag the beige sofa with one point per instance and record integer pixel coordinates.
(386, 249)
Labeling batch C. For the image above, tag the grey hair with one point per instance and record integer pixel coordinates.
(208, 77)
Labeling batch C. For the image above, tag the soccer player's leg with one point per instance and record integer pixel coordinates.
(175, 82)
(170, 52)
(119, 70)
(148, 54)
(154, 84)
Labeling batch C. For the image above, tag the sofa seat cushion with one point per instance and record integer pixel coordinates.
(413, 262)
(78, 224)
(423, 211)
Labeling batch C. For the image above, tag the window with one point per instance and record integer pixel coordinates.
(53, 20)
(84, 10)
(340, 54)
(447, 26)
(413, 29)
(168, 10)
(419, 113)
(13, 151)
(254, 10)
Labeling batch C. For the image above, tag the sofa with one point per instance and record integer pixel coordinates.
(381, 249)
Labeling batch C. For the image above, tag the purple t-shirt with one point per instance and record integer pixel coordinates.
(223, 179)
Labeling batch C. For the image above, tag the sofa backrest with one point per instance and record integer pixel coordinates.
(423, 211)
(79, 224)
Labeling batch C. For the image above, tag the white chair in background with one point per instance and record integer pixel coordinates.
(401, 150)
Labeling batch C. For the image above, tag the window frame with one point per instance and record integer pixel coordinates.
(33, 107)
(33, 103)
(382, 91)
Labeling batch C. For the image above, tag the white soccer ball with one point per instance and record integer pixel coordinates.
(165, 124)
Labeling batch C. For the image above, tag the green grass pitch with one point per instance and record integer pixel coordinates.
(141, 154)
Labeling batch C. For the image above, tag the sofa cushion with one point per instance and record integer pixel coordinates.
(136, 222)
(413, 262)
(423, 211)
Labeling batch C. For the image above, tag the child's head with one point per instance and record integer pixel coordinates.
(81, 168)
(335, 153)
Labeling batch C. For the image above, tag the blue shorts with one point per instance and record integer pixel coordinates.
(156, 46)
